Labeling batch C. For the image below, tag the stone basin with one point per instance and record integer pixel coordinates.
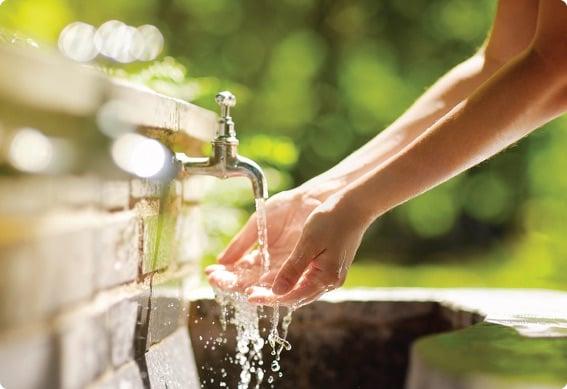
(412, 338)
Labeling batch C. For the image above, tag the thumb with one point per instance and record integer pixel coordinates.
(241, 243)
(292, 269)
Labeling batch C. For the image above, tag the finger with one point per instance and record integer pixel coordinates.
(303, 253)
(268, 278)
(308, 289)
(241, 243)
(261, 295)
(223, 280)
(236, 280)
(212, 268)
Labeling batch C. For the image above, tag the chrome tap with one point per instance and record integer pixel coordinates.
(224, 161)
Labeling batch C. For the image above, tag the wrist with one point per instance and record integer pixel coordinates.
(321, 188)
(354, 212)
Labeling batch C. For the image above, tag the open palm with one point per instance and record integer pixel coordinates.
(240, 267)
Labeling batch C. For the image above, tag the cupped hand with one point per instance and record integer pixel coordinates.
(239, 268)
(321, 258)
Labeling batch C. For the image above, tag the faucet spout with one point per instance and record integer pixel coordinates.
(224, 161)
(255, 174)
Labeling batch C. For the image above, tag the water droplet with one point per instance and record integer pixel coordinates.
(275, 366)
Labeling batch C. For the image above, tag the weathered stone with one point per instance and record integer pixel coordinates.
(66, 267)
(191, 238)
(26, 195)
(29, 361)
(84, 348)
(118, 257)
(127, 377)
(487, 356)
(121, 320)
(115, 195)
(145, 189)
(357, 344)
(158, 226)
(148, 218)
(19, 302)
(57, 260)
(161, 315)
(170, 363)
(165, 316)
(77, 191)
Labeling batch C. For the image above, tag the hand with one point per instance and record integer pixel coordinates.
(238, 268)
(320, 260)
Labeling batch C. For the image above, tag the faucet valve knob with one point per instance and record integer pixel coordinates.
(226, 100)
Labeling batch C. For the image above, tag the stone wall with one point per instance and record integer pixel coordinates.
(91, 282)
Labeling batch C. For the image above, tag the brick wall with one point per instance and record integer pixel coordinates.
(92, 274)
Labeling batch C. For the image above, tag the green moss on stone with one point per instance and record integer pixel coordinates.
(491, 349)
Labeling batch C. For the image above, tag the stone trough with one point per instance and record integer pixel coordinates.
(413, 338)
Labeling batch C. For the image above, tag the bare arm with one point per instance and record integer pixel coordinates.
(512, 31)
(521, 96)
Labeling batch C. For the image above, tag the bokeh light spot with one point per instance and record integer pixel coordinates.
(139, 155)
(30, 151)
(76, 41)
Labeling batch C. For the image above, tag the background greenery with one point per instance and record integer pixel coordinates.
(317, 78)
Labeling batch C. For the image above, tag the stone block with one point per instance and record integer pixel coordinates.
(165, 314)
(118, 257)
(158, 232)
(115, 195)
(148, 222)
(121, 323)
(191, 238)
(126, 377)
(28, 361)
(77, 191)
(84, 348)
(171, 364)
(145, 189)
(57, 259)
(19, 302)
(26, 195)
(67, 266)
(160, 315)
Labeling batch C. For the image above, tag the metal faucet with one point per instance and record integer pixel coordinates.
(224, 161)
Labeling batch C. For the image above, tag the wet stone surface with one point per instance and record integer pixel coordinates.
(334, 345)
(170, 363)
(127, 377)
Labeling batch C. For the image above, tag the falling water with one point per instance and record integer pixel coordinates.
(236, 310)
(262, 234)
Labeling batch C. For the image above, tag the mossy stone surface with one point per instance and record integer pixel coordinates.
(488, 349)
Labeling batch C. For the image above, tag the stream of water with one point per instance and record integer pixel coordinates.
(262, 222)
(236, 310)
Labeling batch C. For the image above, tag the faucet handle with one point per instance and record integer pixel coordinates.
(225, 100)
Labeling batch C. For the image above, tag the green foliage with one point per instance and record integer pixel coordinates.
(316, 79)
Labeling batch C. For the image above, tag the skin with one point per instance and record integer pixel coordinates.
(515, 83)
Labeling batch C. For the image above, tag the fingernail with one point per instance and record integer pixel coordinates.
(281, 287)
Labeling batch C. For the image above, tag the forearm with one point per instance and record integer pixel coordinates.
(519, 98)
(432, 105)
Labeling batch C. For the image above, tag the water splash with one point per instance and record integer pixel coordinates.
(236, 310)
(249, 343)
